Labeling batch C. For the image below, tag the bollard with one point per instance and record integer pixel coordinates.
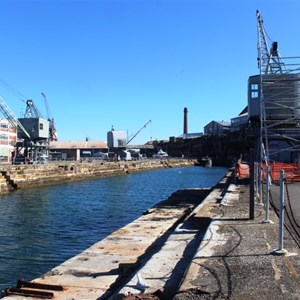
(280, 250)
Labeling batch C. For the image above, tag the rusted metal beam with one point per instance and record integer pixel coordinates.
(28, 293)
(34, 285)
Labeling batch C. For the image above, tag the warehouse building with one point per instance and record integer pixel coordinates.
(64, 150)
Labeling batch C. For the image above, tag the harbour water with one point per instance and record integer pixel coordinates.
(42, 227)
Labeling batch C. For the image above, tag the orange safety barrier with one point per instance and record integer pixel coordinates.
(243, 170)
(291, 171)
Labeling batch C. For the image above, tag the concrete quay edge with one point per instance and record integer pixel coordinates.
(93, 273)
(235, 257)
(164, 271)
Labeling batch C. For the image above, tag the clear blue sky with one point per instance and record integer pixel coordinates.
(122, 63)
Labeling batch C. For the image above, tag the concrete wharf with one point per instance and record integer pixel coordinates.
(198, 244)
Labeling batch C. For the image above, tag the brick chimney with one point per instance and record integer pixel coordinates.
(185, 121)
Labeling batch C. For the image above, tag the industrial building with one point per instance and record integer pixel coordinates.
(116, 139)
(8, 138)
(81, 150)
(239, 121)
(217, 128)
(64, 150)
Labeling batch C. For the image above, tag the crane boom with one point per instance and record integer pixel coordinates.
(138, 132)
(52, 128)
(46, 104)
(269, 61)
(12, 119)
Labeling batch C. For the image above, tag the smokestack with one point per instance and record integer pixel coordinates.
(185, 121)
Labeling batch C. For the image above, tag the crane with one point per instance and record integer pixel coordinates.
(31, 110)
(138, 132)
(269, 61)
(12, 119)
(52, 129)
(32, 144)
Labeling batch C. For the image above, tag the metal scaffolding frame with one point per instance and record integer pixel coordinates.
(278, 95)
(279, 98)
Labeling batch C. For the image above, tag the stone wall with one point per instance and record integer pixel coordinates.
(14, 177)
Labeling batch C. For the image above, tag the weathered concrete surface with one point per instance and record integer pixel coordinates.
(236, 258)
(166, 268)
(26, 176)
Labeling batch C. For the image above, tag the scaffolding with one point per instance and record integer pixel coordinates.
(278, 93)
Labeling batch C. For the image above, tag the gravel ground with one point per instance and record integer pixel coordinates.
(243, 265)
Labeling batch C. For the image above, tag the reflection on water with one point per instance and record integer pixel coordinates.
(42, 227)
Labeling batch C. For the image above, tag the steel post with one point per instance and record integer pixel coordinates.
(260, 183)
(280, 250)
(256, 178)
(282, 209)
(267, 196)
(251, 192)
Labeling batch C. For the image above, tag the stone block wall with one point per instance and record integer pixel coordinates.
(26, 176)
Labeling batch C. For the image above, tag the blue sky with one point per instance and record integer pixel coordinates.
(123, 63)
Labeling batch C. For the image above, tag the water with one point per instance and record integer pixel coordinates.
(42, 227)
